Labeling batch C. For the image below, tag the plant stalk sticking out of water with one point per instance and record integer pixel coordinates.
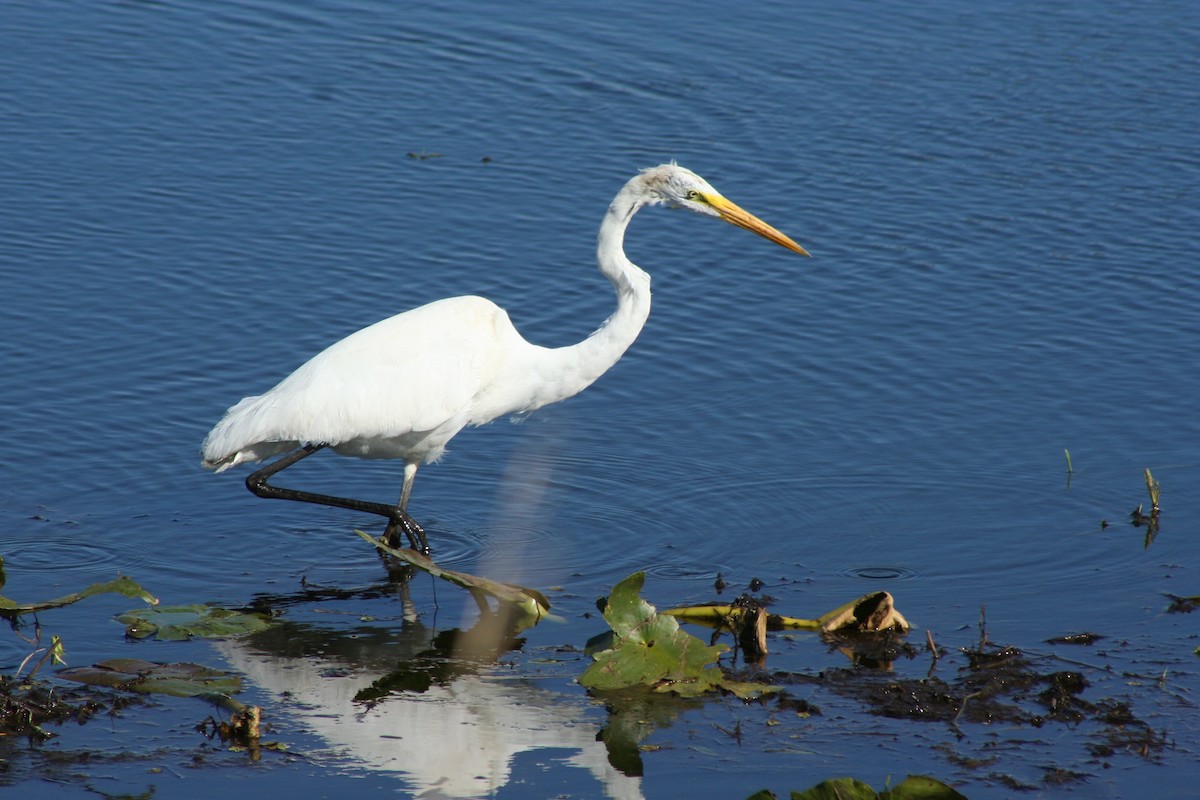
(1149, 520)
(1152, 487)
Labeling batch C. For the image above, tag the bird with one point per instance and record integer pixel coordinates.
(403, 387)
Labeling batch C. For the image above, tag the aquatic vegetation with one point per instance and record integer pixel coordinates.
(647, 648)
(914, 787)
(11, 610)
(151, 677)
(177, 680)
(875, 611)
(26, 704)
(184, 622)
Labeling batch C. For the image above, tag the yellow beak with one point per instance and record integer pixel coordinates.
(736, 215)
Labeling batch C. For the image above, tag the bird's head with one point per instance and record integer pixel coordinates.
(679, 187)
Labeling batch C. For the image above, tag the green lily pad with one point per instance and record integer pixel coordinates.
(183, 622)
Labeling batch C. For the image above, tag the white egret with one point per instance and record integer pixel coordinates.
(403, 387)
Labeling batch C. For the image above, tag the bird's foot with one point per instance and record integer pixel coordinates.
(400, 522)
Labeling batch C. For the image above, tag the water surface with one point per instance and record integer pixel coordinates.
(1001, 202)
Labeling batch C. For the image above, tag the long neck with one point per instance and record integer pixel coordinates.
(578, 365)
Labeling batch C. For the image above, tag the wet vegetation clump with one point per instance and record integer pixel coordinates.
(29, 707)
(27, 703)
(983, 685)
(1000, 684)
(1183, 605)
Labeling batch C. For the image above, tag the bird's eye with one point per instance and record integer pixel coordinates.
(693, 195)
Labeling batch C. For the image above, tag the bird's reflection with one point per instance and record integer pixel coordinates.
(430, 708)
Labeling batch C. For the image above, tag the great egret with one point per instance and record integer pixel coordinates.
(403, 387)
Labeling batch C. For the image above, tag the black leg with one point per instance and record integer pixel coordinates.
(398, 520)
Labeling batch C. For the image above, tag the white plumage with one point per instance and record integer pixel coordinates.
(403, 387)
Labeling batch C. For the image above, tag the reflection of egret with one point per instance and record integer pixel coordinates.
(402, 388)
(456, 735)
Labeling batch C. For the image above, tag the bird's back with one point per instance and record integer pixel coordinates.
(400, 388)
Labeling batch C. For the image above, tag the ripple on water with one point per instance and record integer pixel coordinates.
(42, 539)
(880, 573)
(685, 570)
(57, 548)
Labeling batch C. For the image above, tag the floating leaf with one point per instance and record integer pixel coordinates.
(183, 622)
(149, 677)
(649, 649)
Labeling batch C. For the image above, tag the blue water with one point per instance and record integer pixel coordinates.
(1001, 201)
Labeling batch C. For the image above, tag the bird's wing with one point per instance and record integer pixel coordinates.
(416, 371)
